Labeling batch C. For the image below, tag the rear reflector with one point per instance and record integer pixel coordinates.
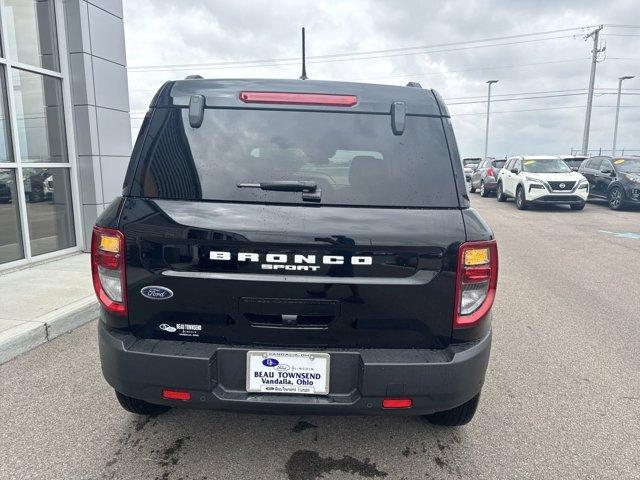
(397, 403)
(299, 98)
(176, 395)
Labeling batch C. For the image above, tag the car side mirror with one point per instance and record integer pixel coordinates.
(575, 169)
(515, 170)
(606, 171)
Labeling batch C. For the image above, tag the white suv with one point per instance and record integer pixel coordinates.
(541, 180)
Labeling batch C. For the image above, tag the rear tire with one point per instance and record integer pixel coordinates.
(140, 407)
(483, 190)
(521, 201)
(472, 189)
(616, 198)
(500, 196)
(460, 415)
(579, 206)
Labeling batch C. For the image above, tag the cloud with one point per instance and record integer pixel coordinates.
(165, 32)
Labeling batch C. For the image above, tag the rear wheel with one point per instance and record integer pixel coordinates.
(472, 189)
(579, 206)
(521, 201)
(456, 416)
(140, 407)
(500, 196)
(483, 190)
(615, 198)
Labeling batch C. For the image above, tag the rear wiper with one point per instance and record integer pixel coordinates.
(283, 186)
(310, 190)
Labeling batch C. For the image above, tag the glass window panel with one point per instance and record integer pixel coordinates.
(39, 117)
(10, 233)
(31, 32)
(6, 152)
(49, 209)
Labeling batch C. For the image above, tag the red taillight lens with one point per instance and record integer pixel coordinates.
(476, 281)
(176, 395)
(299, 98)
(108, 269)
(397, 403)
(490, 171)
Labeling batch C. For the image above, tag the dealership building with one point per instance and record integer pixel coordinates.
(65, 133)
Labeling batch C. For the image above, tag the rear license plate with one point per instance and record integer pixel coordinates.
(288, 372)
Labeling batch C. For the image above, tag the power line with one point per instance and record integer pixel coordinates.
(543, 109)
(349, 56)
(476, 69)
(519, 98)
(613, 25)
(512, 94)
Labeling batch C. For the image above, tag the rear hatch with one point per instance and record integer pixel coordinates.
(367, 259)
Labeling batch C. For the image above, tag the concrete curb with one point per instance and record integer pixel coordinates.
(27, 336)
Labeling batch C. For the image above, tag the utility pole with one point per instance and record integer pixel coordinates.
(304, 58)
(615, 125)
(486, 133)
(592, 78)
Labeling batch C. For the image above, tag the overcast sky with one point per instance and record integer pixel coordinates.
(174, 33)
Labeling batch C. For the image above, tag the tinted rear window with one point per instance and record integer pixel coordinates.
(499, 163)
(355, 159)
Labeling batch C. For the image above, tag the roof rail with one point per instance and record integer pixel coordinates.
(414, 84)
(193, 77)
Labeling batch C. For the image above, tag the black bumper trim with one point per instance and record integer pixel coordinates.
(215, 374)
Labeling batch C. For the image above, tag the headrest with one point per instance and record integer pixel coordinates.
(366, 170)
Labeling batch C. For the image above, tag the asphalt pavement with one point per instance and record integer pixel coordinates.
(561, 399)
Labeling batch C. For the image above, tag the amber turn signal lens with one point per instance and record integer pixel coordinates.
(109, 243)
(476, 256)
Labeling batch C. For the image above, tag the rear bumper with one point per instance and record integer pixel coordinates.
(490, 184)
(215, 375)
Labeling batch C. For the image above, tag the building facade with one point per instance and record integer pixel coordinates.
(65, 134)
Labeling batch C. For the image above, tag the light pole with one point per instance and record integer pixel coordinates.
(486, 133)
(615, 126)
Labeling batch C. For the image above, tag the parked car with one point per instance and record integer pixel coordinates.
(470, 164)
(6, 195)
(541, 180)
(573, 161)
(617, 180)
(255, 281)
(485, 177)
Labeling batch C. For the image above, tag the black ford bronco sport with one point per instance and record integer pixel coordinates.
(296, 247)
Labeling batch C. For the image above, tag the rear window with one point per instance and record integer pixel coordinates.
(574, 162)
(499, 163)
(355, 159)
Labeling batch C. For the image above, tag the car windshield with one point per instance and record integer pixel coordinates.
(574, 162)
(628, 165)
(498, 163)
(545, 165)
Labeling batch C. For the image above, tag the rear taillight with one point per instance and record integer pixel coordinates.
(490, 171)
(299, 98)
(108, 269)
(476, 281)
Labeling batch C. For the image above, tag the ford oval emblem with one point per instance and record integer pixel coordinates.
(270, 362)
(154, 292)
